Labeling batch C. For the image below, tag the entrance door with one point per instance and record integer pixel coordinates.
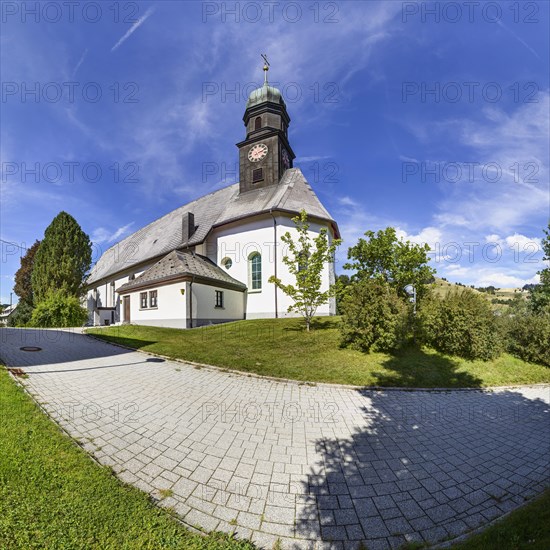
(126, 309)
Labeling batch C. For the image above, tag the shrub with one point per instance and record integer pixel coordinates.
(21, 316)
(461, 323)
(373, 317)
(529, 336)
(59, 310)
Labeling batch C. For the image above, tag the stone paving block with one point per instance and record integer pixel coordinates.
(410, 509)
(355, 532)
(276, 514)
(201, 475)
(455, 528)
(491, 513)
(398, 526)
(374, 527)
(476, 497)
(200, 519)
(184, 487)
(361, 491)
(249, 520)
(382, 502)
(474, 520)
(326, 517)
(477, 470)
(345, 517)
(435, 534)
(333, 533)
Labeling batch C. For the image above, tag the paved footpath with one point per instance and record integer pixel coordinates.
(313, 466)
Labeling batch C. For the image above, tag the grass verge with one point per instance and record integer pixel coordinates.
(52, 495)
(282, 348)
(528, 527)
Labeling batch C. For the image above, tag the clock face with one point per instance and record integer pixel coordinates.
(286, 160)
(257, 152)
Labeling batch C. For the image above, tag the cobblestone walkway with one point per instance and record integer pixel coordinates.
(313, 466)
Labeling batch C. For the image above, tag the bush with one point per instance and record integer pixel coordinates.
(21, 316)
(59, 310)
(529, 336)
(373, 317)
(461, 323)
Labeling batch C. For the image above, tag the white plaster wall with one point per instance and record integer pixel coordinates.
(237, 241)
(105, 299)
(204, 302)
(171, 310)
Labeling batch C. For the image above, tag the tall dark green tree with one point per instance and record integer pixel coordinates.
(23, 276)
(539, 295)
(382, 255)
(62, 260)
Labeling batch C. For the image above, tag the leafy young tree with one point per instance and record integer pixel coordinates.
(23, 276)
(398, 262)
(307, 258)
(62, 260)
(539, 295)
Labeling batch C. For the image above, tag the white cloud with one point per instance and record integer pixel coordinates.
(133, 28)
(429, 235)
(103, 235)
(518, 142)
(523, 243)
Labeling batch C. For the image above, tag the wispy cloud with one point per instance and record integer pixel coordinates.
(103, 235)
(518, 38)
(80, 61)
(133, 28)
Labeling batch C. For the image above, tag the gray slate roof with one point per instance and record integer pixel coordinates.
(180, 264)
(291, 194)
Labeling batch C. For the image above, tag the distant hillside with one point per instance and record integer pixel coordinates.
(441, 286)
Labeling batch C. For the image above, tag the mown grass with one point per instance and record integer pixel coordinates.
(52, 495)
(528, 527)
(282, 348)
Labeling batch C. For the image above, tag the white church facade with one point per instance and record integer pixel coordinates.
(209, 261)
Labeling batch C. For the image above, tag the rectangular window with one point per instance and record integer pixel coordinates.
(143, 300)
(153, 298)
(257, 175)
(219, 298)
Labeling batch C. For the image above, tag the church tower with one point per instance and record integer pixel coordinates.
(265, 154)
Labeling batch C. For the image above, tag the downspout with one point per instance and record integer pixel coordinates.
(191, 300)
(275, 251)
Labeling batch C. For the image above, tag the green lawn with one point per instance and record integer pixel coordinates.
(52, 495)
(528, 527)
(282, 348)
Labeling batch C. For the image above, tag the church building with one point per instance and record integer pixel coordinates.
(209, 261)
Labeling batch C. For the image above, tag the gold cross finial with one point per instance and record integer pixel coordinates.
(266, 67)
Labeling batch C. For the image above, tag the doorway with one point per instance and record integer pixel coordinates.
(126, 300)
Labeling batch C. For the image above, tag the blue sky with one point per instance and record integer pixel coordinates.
(432, 117)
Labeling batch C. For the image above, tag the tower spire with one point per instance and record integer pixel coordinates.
(266, 67)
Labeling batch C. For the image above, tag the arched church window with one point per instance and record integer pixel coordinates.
(258, 123)
(255, 271)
